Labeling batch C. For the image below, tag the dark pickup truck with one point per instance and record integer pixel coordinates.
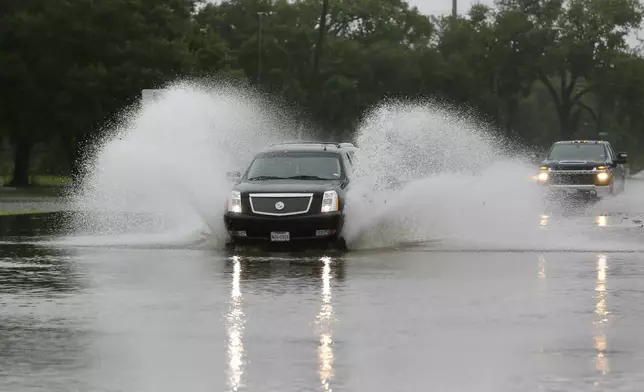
(583, 166)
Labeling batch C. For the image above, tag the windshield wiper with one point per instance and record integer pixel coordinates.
(259, 178)
(307, 178)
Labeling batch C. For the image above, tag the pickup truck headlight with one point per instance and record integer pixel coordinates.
(543, 174)
(602, 176)
(330, 201)
(234, 202)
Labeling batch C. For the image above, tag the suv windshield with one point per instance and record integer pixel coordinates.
(296, 166)
(575, 152)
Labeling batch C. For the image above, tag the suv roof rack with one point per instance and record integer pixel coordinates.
(583, 141)
(336, 144)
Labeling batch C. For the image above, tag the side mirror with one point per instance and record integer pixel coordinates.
(233, 175)
(622, 158)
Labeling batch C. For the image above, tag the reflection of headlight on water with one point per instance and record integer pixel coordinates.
(601, 361)
(542, 267)
(602, 267)
(601, 312)
(602, 220)
(235, 330)
(600, 288)
(324, 319)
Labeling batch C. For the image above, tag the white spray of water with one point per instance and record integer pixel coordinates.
(161, 175)
(426, 173)
(630, 202)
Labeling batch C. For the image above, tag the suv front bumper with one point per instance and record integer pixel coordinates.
(325, 226)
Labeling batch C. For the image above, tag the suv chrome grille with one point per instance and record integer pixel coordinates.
(290, 203)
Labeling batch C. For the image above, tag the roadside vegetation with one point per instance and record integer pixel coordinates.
(539, 70)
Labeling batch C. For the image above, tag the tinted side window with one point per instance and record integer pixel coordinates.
(351, 156)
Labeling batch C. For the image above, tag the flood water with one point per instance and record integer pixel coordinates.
(402, 319)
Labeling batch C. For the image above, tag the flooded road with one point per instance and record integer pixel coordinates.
(502, 292)
(413, 318)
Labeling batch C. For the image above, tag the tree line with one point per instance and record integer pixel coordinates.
(539, 70)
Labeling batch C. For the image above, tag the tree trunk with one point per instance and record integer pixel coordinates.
(74, 165)
(565, 123)
(21, 162)
(512, 111)
(318, 50)
(565, 99)
(76, 148)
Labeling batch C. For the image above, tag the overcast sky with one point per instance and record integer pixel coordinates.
(436, 7)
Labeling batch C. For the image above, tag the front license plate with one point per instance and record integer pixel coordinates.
(279, 236)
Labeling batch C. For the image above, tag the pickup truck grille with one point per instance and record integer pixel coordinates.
(572, 179)
(291, 203)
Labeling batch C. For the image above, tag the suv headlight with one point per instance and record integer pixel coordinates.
(234, 202)
(330, 201)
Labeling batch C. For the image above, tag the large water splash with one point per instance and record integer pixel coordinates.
(163, 169)
(425, 173)
(429, 173)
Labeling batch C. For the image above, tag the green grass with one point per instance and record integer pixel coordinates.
(26, 194)
(24, 212)
(51, 180)
(42, 180)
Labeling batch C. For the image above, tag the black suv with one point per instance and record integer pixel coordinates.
(586, 166)
(292, 192)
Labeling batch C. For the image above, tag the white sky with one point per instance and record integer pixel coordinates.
(438, 7)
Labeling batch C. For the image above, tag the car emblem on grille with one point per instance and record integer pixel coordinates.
(279, 206)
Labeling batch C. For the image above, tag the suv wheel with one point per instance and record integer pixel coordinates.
(341, 244)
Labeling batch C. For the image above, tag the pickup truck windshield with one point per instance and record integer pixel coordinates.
(577, 152)
(297, 166)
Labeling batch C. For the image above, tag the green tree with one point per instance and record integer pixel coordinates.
(77, 63)
(577, 39)
(539, 69)
(374, 50)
